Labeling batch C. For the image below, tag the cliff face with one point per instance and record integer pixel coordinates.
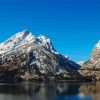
(92, 66)
(26, 57)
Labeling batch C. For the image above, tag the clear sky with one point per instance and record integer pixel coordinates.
(72, 25)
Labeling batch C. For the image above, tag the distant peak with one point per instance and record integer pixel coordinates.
(81, 62)
(98, 44)
(99, 41)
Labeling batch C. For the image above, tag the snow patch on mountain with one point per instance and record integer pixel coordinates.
(81, 62)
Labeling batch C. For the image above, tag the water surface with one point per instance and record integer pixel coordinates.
(50, 91)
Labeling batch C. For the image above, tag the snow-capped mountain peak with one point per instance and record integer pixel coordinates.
(14, 41)
(25, 37)
(21, 34)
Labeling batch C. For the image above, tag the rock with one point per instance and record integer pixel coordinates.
(91, 68)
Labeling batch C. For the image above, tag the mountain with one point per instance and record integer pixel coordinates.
(92, 66)
(80, 63)
(26, 57)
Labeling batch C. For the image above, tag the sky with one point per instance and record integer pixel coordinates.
(72, 25)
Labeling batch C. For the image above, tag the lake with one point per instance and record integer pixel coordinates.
(50, 91)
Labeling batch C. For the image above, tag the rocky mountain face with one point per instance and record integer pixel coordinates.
(26, 57)
(92, 66)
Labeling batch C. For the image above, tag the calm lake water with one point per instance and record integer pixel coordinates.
(50, 91)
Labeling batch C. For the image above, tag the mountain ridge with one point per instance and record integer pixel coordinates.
(26, 57)
(91, 67)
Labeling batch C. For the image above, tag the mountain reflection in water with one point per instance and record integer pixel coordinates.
(50, 91)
